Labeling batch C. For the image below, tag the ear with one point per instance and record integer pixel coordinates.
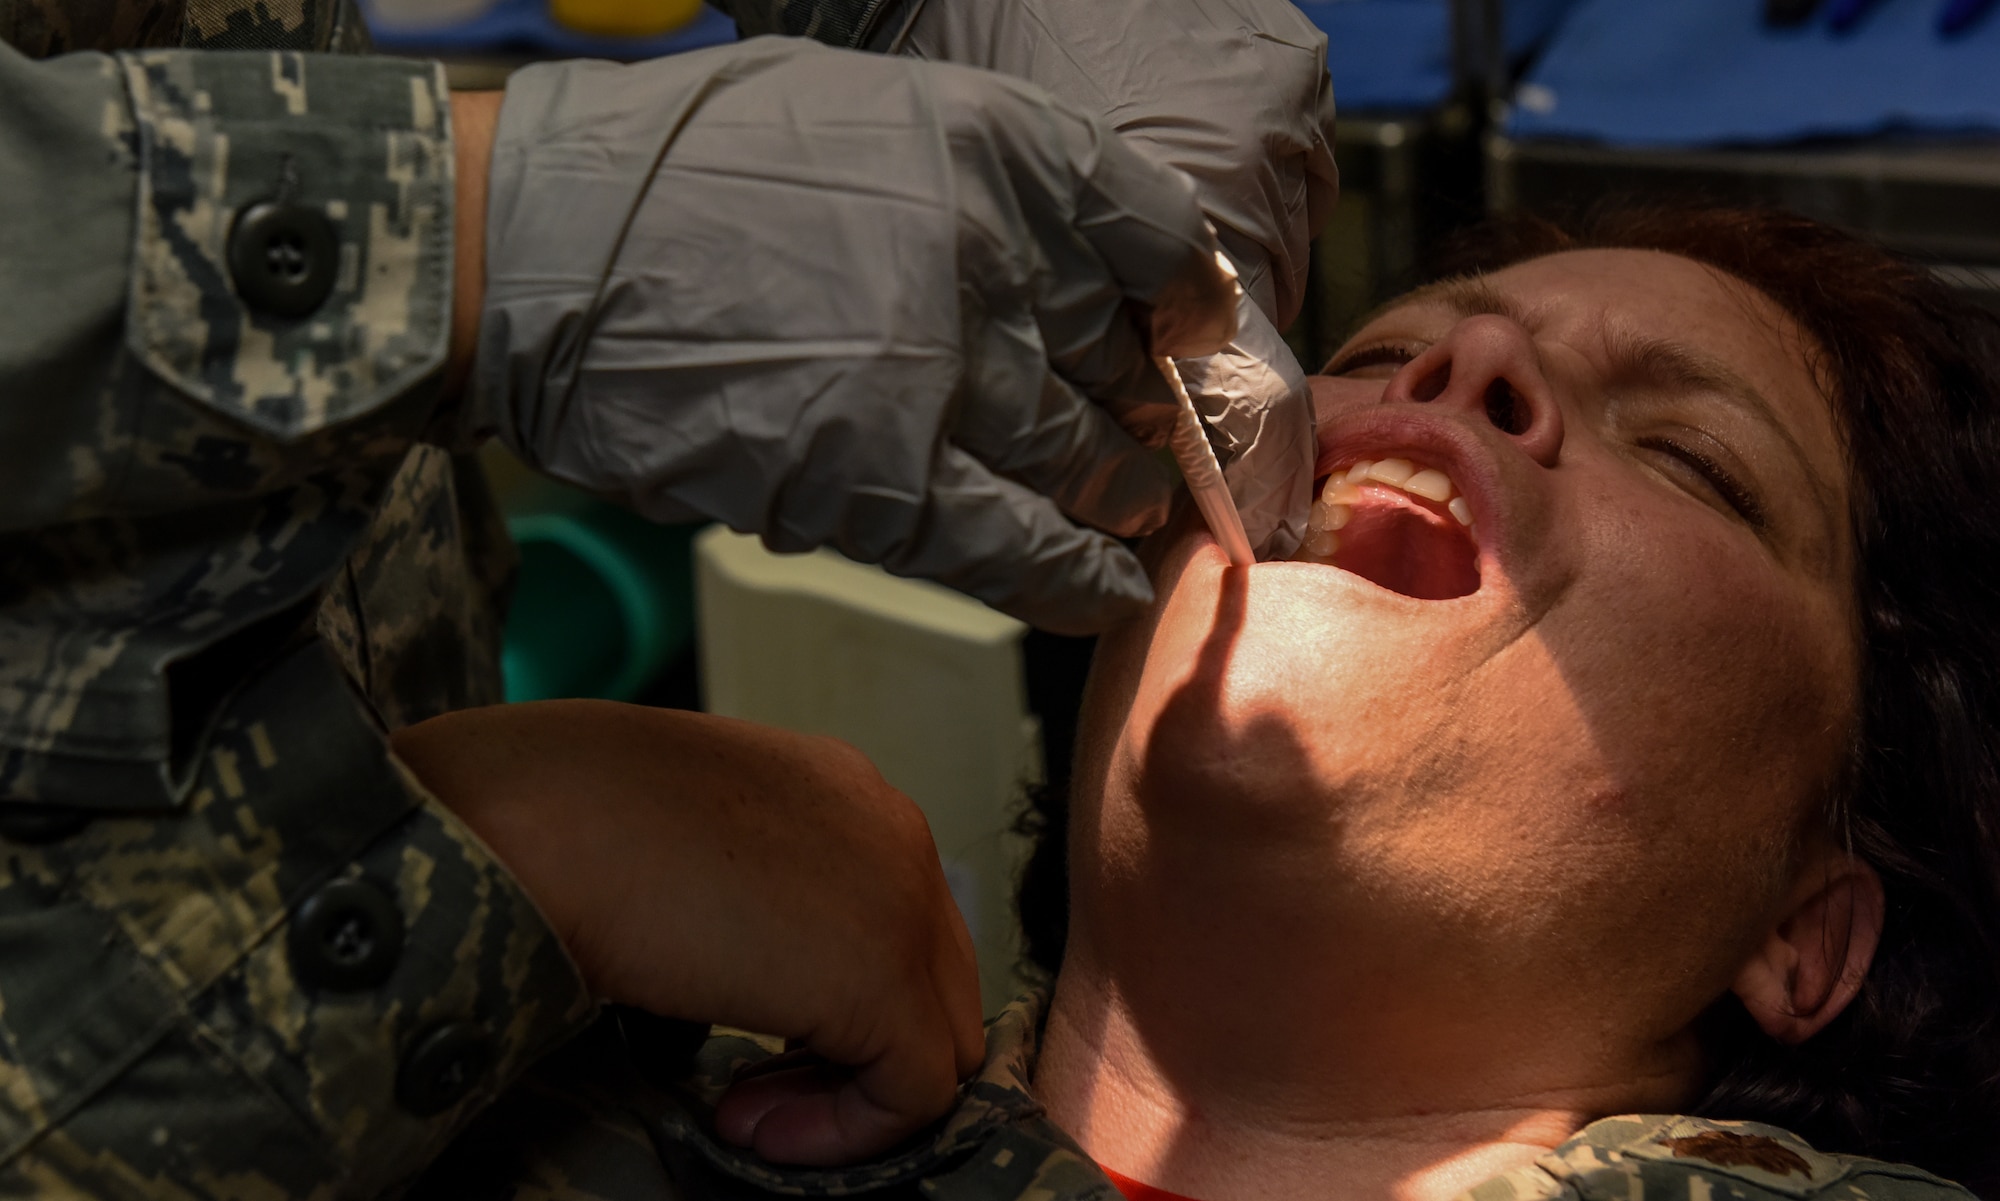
(1813, 961)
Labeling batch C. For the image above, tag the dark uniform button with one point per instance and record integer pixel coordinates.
(283, 257)
(346, 936)
(35, 825)
(442, 1067)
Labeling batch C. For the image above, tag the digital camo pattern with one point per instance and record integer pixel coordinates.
(592, 1124)
(154, 1040)
(161, 1046)
(45, 28)
(415, 614)
(1663, 1158)
(601, 1121)
(223, 470)
(374, 337)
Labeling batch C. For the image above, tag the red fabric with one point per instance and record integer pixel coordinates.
(1135, 1191)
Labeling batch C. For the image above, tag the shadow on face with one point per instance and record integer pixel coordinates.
(1565, 804)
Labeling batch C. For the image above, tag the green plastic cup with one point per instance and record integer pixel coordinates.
(604, 602)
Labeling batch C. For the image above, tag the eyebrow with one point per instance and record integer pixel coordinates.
(1672, 366)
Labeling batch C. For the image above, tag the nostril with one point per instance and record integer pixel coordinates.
(1432, 385)
(1504, 408)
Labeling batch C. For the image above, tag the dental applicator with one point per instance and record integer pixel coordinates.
(1196, 457)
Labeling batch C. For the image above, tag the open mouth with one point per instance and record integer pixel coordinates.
(1397, 525)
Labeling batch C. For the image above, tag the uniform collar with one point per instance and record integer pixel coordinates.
(996, 1116)
(998, 1144)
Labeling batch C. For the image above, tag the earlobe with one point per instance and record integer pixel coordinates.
(1813, 961)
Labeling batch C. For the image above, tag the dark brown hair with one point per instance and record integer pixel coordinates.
(1911, 1070)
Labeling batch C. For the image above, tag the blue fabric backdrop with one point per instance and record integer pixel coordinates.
(1707, 72)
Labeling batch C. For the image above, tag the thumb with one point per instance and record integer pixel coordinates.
(822, 1115)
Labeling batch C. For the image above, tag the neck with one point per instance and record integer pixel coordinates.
(1190, 1098)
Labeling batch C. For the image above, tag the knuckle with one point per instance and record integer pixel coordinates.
(846, 765)
(912, 830)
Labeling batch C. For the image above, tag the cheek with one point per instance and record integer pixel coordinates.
(1715, 684)
(1639, 762)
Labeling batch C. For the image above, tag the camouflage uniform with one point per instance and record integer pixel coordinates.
(245, 955)
(594, 1124)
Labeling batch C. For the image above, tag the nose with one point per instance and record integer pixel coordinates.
(1487, 367)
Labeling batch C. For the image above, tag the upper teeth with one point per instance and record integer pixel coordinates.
(1343, 488)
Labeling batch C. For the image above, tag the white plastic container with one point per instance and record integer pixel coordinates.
(925, 682)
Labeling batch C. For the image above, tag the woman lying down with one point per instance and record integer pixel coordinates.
(1621, 745)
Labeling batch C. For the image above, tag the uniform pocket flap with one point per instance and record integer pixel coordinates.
(292, 266)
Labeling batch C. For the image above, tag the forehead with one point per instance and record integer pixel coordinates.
(1648, 285)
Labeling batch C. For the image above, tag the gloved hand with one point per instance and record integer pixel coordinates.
(836, 298)
(1259, 410)
(1236, 94)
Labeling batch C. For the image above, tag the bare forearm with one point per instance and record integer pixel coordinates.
(474, 115)
(717, 870)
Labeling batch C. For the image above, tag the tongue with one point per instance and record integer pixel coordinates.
(1394, 542)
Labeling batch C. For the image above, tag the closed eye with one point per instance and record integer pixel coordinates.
(1391, 354)
(1710, 474)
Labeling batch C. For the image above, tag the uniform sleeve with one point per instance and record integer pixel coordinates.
(301, 984)
(246, 955)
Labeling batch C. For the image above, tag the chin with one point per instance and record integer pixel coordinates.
(1270, 697)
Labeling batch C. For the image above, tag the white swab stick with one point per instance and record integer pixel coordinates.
(1196, 457)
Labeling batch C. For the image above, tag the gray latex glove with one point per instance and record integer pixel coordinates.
(1236, 94)
(1233, 92)
(1259, 410)
(839, 299)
